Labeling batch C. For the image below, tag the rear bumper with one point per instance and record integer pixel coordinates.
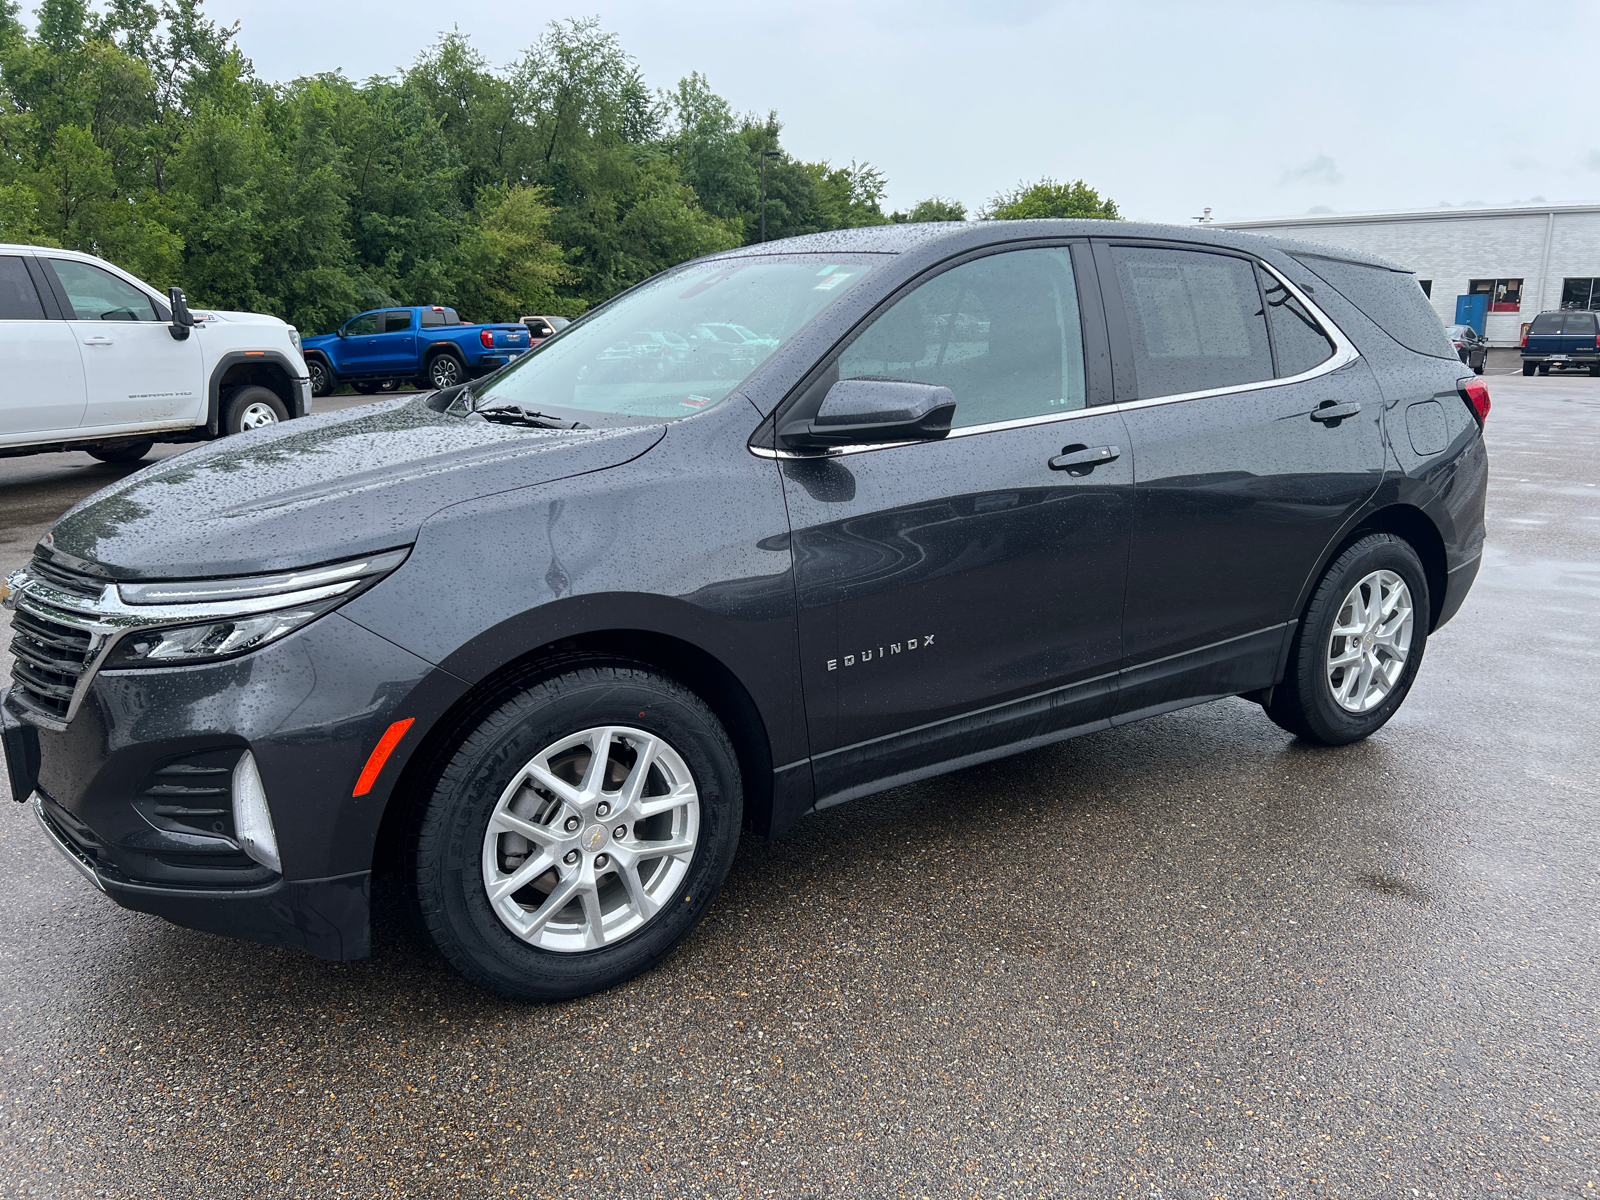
(1584, 358)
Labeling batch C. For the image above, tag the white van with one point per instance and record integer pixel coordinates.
(93, 359)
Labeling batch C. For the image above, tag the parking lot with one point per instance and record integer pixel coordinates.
(1183, 958)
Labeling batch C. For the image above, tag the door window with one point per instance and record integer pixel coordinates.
(359, 326)
(97, 295)
(1298, 341)
(18, 299)
(1581, 324)
(1002, 333)
(1196, 320)
(397, 322)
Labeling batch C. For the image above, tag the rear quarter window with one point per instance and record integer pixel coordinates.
(1546, 323)
(1391, 299)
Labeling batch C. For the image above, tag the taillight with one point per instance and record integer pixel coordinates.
(1524, 342)
(486, 338)
(1476, 393)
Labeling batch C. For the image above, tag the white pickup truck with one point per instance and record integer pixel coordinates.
(93, 359)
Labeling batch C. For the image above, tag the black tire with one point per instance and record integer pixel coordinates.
(1528, 368)
(445, 847)
(132, 452)
(1595, 369)
(251, 407)
(1304, 702)
(1544, 370)
(1478, 370)
(367, 387)
(322, 381)
(389, 385)
(445, 370)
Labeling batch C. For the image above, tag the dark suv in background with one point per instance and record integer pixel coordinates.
(1562, 341)
(547, 647)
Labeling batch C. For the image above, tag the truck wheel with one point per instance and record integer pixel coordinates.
(251, 407)
(321, 377)
(132, 452)
(445, 370)
(1478, 370)
(576, 833)
(366, 387)
(1527, 368)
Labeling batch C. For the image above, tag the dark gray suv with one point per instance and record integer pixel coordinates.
(549, 644)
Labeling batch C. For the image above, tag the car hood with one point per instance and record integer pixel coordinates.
(318, 488)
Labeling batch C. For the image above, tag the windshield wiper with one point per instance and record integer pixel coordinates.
(515, 414)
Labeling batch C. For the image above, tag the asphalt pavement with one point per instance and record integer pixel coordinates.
(1185, 958)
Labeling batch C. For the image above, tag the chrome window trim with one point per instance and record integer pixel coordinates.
(1344, 353)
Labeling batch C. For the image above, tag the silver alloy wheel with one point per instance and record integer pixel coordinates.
(1370, 640)
(591, 838)
(257, 415)
(444, 371)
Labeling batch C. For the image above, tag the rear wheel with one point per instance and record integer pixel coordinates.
(251, 407)
(1359, 646)
(445, 370)
(366, 387)
(1544, 369)
(577, 833)
(132, 452)
(1527, 368)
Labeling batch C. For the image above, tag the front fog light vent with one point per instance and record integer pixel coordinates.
(252, 822)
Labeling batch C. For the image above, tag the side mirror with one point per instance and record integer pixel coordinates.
(861, 412)
(182, 318)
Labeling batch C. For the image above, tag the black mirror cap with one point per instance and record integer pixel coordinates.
(182, 318)
(861, 412)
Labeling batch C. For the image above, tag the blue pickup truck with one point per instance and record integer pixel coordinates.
(1562, 340)
(430, 345)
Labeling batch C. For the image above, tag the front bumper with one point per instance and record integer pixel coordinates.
(119, 789)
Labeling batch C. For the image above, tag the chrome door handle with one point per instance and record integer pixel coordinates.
(1332, 410)
(1080, 460)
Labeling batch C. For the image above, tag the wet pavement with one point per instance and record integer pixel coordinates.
(1187, 958)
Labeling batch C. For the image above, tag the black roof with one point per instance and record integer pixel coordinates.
(962, 235)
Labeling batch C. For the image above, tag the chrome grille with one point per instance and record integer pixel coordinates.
(50, 659)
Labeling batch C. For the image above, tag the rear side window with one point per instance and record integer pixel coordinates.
(1546, 323)
(1002, 333)
(1391, 299)
(1581, 323)
(396, 322)
(1298, 341)
(18, 299)
(1196, 320)
(432, 317)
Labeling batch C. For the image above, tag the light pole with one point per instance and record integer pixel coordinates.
(765, 154)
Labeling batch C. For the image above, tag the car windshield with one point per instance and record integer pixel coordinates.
(656, 353)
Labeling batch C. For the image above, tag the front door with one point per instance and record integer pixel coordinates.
(43, 389)
(136, 375)
(1245, 469)
(962, 596)
(360, 345)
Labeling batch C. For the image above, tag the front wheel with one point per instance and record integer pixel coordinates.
(321, 377)
(252, 407)
(1359, 645)
(577, 833)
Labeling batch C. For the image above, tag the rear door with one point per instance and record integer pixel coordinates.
(1578, 335)
(43, 389)
(136, 374)
(1256, 436)
(960, 596)
(1544, 335)
(395, 343)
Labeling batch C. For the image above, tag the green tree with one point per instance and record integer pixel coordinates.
(1047, 198)
(935, 208)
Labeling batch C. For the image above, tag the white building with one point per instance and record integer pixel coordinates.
(1526, 259)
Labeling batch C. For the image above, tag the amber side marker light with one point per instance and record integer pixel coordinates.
(380, 755)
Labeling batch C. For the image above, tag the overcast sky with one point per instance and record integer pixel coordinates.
(1255, 109)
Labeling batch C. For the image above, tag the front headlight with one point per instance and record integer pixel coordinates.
(294, 336)
(171, 623)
